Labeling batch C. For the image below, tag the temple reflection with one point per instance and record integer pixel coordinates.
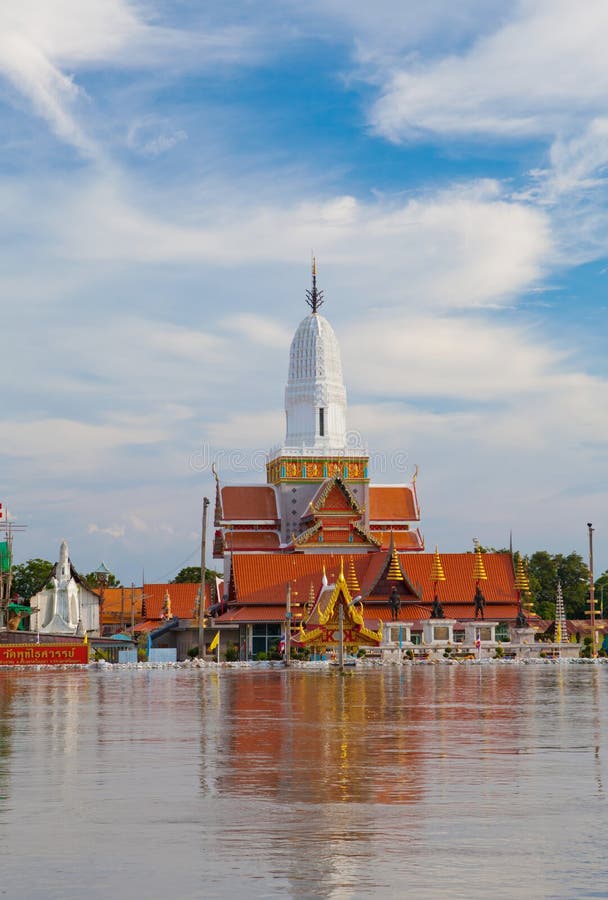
(8, 690)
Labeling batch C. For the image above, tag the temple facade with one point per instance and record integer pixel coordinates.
(319, 519)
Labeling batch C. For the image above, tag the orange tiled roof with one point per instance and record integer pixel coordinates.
(253, 614)
(459, 586)
(262, 578)
(183, 599)
(392, 503)
(147, 625)
(117, 601)
(252, 540)
(410, 612)
(492, 611)
(245, 503)
(403, 540)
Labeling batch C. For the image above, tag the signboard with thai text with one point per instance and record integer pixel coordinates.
(43, 654)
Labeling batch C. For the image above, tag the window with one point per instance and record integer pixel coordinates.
(322, 422)
(502, 632)
(265, 637)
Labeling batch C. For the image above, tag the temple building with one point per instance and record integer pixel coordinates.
(319, 525)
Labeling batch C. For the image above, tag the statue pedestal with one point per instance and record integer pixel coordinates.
(392, 630)
(480, 630)
(438, 632)
(522, 635)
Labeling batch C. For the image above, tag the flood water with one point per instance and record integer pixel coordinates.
(451, 781)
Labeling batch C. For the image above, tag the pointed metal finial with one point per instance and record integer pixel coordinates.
(314, 297)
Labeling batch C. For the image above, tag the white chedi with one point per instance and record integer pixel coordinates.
(315, 396)
(66, 605)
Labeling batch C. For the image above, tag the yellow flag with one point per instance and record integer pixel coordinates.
(214, 642)
(86, 638)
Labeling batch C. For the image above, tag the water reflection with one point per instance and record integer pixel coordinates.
(7, 696)
(437, 782)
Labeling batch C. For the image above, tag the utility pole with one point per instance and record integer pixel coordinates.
(202, 602)
(592, 593)
(288, 625)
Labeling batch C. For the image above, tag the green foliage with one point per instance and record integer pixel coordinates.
(261, 656)
(545, 570)
(601, 591)
(142, 654)
(30, 577)
(192, 575)
(499, 652)
(92, 580)
(192, 652)
(273, 652)
(232, 653)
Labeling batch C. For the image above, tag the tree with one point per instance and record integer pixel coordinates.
(601, 591)
(30, 577)
(545, 570)
(192, 575)
(92, 580)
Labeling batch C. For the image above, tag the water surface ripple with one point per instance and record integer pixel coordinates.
(454, 781)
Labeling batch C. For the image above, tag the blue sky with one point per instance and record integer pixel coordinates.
(166, 170)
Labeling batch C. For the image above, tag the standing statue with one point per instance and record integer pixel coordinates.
(480, 602)
(395, 602)
(521, 620)
(437, 609)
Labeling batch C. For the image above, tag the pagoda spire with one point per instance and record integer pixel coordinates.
(437, 574)
(479, 574)
(479, 570)
(522, 585)
(217, 515)
(394, 570)
(314, 297)
(561, 629)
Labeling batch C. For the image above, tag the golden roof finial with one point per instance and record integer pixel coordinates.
(394, 570)
(341, 568)
(352, 580)
(437, 573)
(522, 582)
(479, 570)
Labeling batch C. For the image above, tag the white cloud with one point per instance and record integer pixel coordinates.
(538, 73)
(468, 246)
(113, 531)
(152, 136)
(42, 46)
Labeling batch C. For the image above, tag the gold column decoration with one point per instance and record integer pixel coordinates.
(479, 570)
(437, 573)
(394, 570)
(522, 582)
(352, 580)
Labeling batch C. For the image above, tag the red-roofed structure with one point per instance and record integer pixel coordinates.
(318, 512)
